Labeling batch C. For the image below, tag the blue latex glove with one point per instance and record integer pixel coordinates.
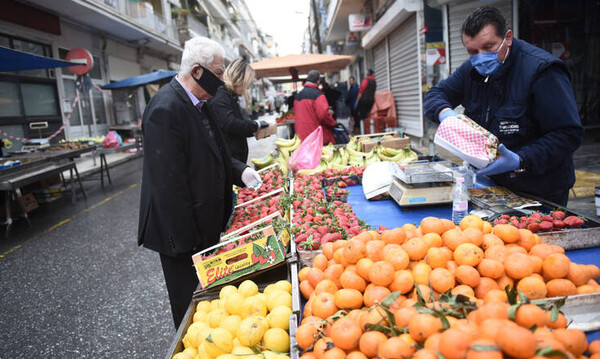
(355, 105)
(447, 113)
(508, 161)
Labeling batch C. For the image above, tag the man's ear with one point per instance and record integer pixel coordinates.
(509, 37)
(196, 71)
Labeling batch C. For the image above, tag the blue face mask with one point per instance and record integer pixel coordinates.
(486, 63)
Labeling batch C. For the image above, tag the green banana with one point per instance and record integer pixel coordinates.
(263, 162)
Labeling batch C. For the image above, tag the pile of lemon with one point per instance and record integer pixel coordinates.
(242, 322)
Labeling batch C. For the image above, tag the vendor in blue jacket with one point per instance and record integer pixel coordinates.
(521, 94)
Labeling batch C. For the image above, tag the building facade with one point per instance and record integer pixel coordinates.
(125, 38)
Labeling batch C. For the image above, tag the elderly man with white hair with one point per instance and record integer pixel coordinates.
(186, 197)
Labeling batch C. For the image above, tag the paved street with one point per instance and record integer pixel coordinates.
(76, 285)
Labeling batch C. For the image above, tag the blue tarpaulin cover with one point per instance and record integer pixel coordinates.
(13, 60)
(153, 77)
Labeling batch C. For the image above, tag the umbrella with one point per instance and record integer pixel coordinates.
(13, 60)
(159, 76)
(281, 66)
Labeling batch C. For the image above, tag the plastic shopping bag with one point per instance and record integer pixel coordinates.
(308, 154)
(112, 140)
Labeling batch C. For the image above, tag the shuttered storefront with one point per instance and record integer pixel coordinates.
(457, 13)
(380, 61)
(404, 75)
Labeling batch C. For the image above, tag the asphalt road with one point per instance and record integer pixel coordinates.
(76, 284)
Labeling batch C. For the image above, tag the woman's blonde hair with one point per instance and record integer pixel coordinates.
(239, 72)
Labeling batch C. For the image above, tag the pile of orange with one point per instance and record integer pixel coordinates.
(473, 259)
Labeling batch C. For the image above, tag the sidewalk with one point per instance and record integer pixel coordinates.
(89, 164)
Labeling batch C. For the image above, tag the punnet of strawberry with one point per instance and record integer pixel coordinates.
(539, 222)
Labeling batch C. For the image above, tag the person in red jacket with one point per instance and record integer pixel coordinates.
(366, 97)
(312, 110)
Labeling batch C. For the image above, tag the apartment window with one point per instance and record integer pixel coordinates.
(22, 99)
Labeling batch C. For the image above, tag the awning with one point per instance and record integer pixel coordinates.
(280, 66)
(160, 76)
(13, 60)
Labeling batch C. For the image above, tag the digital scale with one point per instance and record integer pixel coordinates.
(35, 144)
(422, 184)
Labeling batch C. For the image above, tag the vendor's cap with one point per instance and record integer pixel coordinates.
(313, 76)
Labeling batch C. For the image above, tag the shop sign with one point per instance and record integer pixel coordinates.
(561, 50)
(351, 38)
(359, 22)
(435, 53)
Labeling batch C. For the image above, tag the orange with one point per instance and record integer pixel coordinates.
(487, 227)
(321, 346)
(518, 265)
(416, 248)
(485, 285)
(533, 287)
(526, 239)
(433, 240)
(594, 347)
(403, 282)
(393, 236)
(421, 272)
(517, 342)
(475, 235)
(351, 280)
(556, 266)
(433, 341)
(529, 315)
(453, 237)
(577, 274)
(354, 251)
(369, 342)
(381, 273)
(364, 237)
(586, 289)
(333, 273)
(314, 276)
(497, 253)
(394, 348)
(305, 335)
(560, 288)
(488, 353)
(454, 343)
(345, 333)
(302, 273)
(374, 250)
(538, 264)
(492, 310)
(348, 299)
(560, 322)
(489, 240)
(422, 326)
(403, 316)
(425, 354)
(438, 257)
(468, 253)
(448, 224)
(441, 280)
(306, 289)
(425, 292)
(327, 249)
(507, 232)
(326, 286)
(495, 296)
(356, 355)
(375, 294)
(320, 262)
(363, 266)
(514, 248)
(489, 328)
(505, 281)
(464, 290)
(432, 225)
(323, 305)
(543, 250)
(396, 256)
(490, 268)
(471, 221)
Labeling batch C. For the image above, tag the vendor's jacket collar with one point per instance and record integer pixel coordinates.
(311, 84)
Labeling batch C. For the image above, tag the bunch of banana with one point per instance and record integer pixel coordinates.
(290, 145)
(336, 160)
(282, 160)
(353, 144)
(404, 155)
(328, 153)
(320, 168)
(263, 162)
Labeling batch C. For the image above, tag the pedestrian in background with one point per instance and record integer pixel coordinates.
(351, 98)
(332, 95)
(366, 97)
(188, 172)
(234, 123)
(312, 110)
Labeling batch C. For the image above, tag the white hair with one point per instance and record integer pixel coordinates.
(199, 50)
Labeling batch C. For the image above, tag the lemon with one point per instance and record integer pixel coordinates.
(270, 288)
(191, 352)
(215, 317)
(215, 304)
(279, 298)
(189, 339)
(248, 288)
(201, 352)
(263, 321)
(201, 336)
(253, 306)
(241, 350)
(269, 355)
(220, 341)
(284, 285)
(250, 331)
(277, 339)
(182, 355)
(230, 323)
(227, 356)
(262, 297)
(203, 306)
(226, 291)
(236, 341)
(234, 303)
(279, 317)
(200, 317)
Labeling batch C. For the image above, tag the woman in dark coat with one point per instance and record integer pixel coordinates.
(231, 119)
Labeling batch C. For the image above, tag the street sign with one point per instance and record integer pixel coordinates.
(81, 56)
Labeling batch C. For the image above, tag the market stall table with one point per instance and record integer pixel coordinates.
(103, 164)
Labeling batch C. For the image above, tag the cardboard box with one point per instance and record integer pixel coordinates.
(49, 194)
(395, 142)
(264, 250)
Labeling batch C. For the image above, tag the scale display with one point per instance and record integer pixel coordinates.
(422, 184)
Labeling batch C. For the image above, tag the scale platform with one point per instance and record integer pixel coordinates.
(422, 184)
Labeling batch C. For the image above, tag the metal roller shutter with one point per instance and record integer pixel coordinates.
(405, 82)
(457, 13)
(380, 61)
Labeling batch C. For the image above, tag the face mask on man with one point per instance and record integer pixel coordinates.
(486, 63)
(209, 81)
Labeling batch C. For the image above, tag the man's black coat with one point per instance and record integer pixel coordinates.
(187, 177)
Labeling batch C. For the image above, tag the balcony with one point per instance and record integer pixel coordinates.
(133, 21)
